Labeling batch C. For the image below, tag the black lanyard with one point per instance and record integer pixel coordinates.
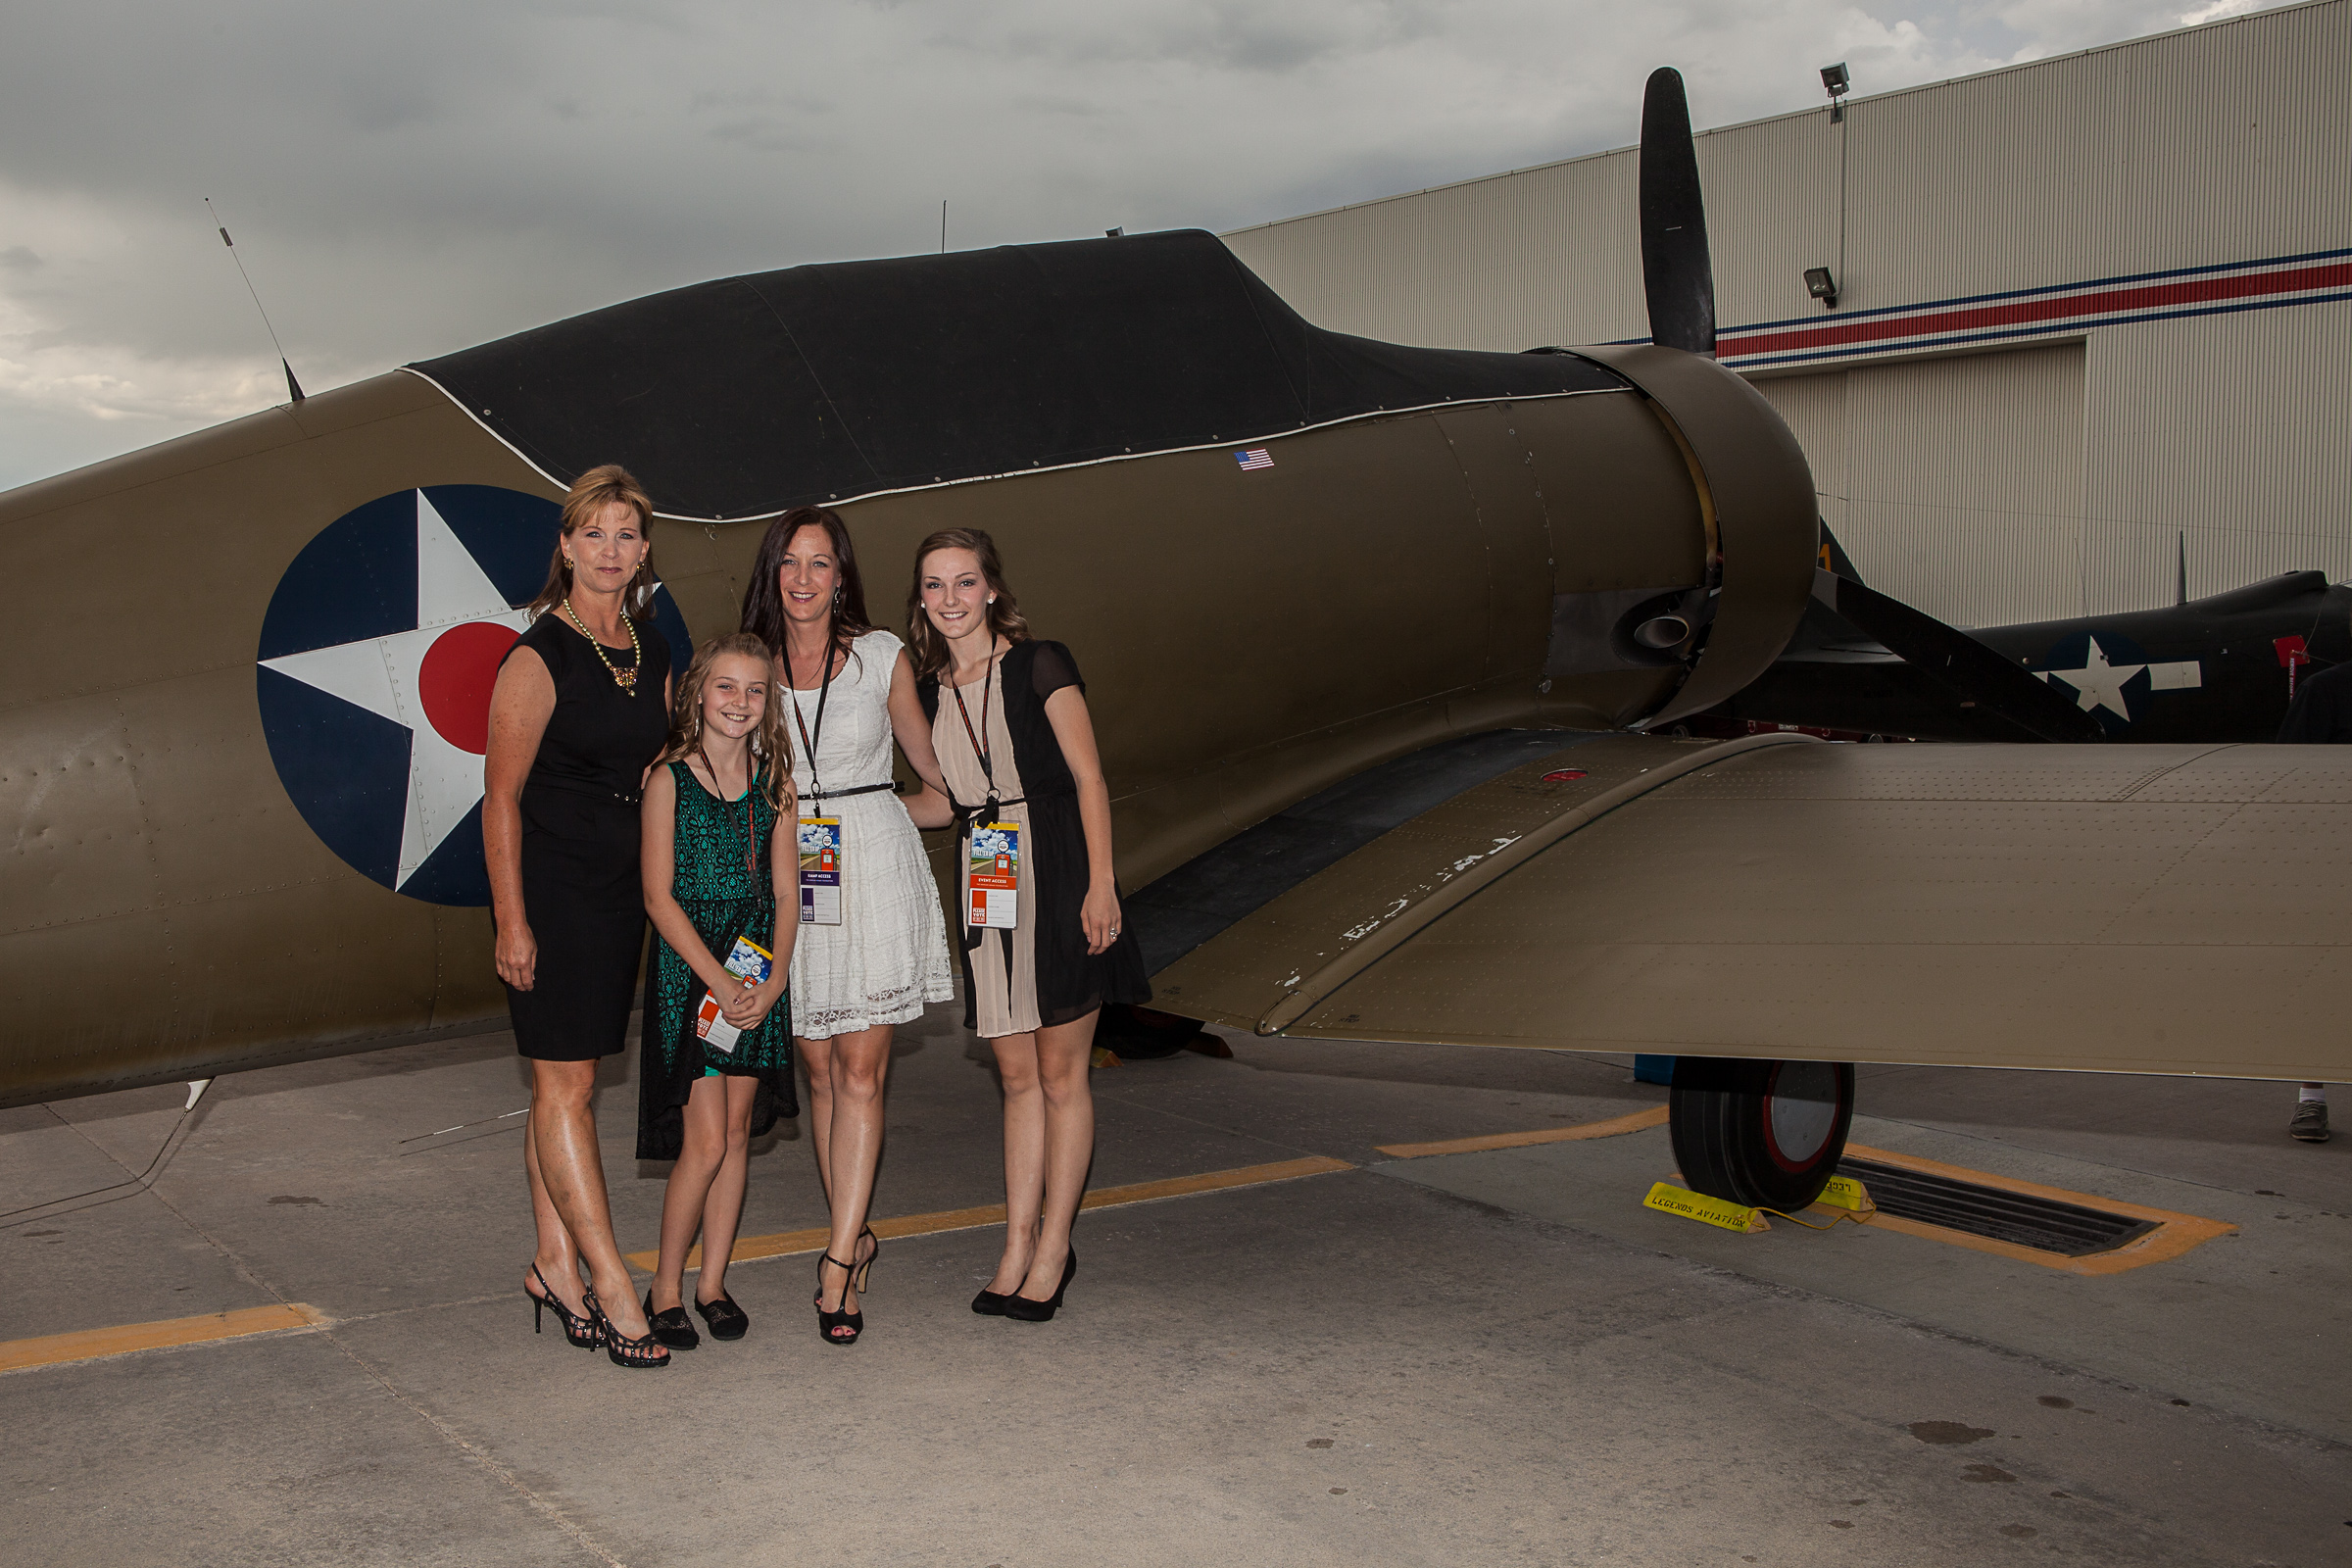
(751, 857)
(825, 689)
(977, 736)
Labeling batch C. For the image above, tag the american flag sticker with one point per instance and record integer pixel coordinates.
(1255, 458)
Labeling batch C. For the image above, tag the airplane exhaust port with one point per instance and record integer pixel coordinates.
(1766, 1134)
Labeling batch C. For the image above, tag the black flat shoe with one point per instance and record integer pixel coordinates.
(988, 1303)
(671, 1328)
(726, 1320)
(1022, 1309)
(580, 1331)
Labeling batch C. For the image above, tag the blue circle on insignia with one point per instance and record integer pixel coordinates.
(373, 675)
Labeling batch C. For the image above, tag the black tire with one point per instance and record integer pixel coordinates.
(1767, 1134)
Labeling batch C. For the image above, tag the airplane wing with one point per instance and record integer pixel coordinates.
(2156, 910)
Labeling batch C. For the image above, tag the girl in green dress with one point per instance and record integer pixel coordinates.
(719, 842)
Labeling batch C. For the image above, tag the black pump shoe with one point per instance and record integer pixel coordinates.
(988, 1303)
(1022, 1309)
(579, 1330)
(671, 1328)
(724, 1319)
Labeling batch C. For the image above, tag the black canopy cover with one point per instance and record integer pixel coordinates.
(743, 396)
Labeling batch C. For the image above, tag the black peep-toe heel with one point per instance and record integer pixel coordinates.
(827, 1322)
(1023, 1310)
(580, 1331)
(643, 1351)
(865, 1270)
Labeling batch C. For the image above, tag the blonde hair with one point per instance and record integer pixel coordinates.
(608, 484)
(926, 649)
(771, 746)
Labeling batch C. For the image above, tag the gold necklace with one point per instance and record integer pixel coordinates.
(625, 680)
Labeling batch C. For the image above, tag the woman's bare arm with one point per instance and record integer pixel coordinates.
(932, 806)
(1074, 728)
(520, 704)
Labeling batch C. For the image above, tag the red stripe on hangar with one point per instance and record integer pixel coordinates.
(2286, 280)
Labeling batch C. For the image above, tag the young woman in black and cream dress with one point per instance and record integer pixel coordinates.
(845, 690)
(1016, 743)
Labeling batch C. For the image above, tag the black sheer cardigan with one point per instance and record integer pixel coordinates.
(1070, 981)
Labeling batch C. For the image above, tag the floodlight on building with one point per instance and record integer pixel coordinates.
(1119, 232)
(1822, 286)
(1838, 81)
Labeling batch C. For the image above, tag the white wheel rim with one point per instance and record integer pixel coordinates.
(1802, 1110)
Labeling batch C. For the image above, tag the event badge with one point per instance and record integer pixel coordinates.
(995, 876)
(821, 870)
(748, 962)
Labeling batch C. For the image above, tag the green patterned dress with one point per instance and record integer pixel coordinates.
(725, 899)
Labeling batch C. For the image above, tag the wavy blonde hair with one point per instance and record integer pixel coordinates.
(771, 744)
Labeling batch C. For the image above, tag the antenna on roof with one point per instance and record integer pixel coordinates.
(293, 387)
(2180, 571)
(943, 225)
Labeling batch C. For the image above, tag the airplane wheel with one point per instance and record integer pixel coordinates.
(1767, 1134)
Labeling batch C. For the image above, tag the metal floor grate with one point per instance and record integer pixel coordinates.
(2041, 1223)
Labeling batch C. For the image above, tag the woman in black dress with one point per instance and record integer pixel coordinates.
(1016, 747)
(580, 711)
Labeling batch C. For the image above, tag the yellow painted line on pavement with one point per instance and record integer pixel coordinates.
(787, 1244)
(1654, 1117)
(89, 1345)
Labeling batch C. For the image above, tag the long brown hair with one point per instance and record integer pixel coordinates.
(771, 746)
(591, 493)
(925, 647)
(763, 602)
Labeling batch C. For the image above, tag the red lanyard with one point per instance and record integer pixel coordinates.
(974, 736)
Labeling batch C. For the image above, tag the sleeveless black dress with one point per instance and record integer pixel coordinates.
(581, 887)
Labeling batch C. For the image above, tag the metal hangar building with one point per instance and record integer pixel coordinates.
(2092, 315)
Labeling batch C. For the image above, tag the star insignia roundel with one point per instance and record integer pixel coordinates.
(377, 655)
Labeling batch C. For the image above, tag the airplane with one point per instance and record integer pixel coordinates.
(1380, 642)
(2221, 667)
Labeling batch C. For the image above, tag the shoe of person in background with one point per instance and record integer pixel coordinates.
(2311, 1122)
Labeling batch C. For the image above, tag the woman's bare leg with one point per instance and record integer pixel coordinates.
(722, 1209)
(860, 1062)
(1024, 1158)
(557, 1259)
(1065, 1057)
(700, 1158)
(572, 1169)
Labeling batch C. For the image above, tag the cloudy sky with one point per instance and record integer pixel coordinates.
(410, 177)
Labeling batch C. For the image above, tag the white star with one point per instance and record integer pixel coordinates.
(382, 674)
(2097, 684)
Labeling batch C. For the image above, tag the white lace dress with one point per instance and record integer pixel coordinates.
(889, 956)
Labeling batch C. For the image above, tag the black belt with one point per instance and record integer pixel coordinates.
(595, 792)
(843, 795)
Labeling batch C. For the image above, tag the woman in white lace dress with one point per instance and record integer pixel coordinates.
(847, 689)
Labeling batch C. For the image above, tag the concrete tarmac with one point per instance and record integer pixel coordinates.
(1485, 1358)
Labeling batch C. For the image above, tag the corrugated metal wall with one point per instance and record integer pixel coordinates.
(2200, 147)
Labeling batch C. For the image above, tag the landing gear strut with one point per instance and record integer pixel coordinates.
(1767, 1134)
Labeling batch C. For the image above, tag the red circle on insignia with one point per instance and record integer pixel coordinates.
(1563, 775)
(456, 678)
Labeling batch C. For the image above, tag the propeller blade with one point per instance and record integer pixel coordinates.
(1957, 662)
(1677, 278)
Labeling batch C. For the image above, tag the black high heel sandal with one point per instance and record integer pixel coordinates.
(865, 1270)
(1022, 1309)
(643, 1351)
(827, 1322)
(671, 1328)
(580, 1331)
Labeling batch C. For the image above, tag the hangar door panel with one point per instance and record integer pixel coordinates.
(1955, 484)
